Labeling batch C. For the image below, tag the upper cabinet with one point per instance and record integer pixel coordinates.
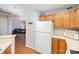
(72, 19)
(66, 20)
(75, 18)
(42, 18)
(50, 17)
(46, 18)
(62, 20)
(57, 21)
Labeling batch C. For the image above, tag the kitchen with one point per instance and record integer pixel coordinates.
(50, 29)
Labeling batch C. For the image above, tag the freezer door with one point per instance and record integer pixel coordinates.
(43, 26)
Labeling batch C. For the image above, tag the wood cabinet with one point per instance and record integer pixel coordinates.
(77, 18)
(66, 20)
(7, 51)
(55, 44)
(62, 21)
(42, 18)
(62, 46)
(72, 19)
(46, 18)
(57, 21)
(50, 17)
(59, 46)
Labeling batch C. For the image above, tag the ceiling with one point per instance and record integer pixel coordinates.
(44, 7)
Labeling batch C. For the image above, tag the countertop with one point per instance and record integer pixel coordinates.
(60, 37)
(5, 42)
(6, 36)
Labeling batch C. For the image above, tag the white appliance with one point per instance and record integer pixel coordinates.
(71, 34)
(72, 40)
(43, 39)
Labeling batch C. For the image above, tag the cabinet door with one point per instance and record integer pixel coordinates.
(59, 46)
(62, 46)
(66, 20)
(57, 21)
(73, 19)
(53, 17)
(49, 17)
(55, 46)
(42, 18)
(7, 51)
(77, 18)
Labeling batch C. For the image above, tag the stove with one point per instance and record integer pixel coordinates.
(71, 34)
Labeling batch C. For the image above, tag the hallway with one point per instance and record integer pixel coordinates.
(20, 46)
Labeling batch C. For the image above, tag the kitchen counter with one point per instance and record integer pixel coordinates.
(6, 41)
(60, 37)
(71, 43)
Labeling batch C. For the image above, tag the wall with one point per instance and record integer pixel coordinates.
(31, 16)
(58, 32)
(5, 24)
(16, 23)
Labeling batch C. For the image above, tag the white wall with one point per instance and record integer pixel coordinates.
(31, 16)
(5, 24)
(58, 32)
(16, 23)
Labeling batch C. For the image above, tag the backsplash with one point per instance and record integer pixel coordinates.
(58, 32)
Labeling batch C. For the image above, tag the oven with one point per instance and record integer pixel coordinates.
(72, 41)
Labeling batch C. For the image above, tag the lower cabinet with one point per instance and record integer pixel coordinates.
(7, 51)
(59, 46)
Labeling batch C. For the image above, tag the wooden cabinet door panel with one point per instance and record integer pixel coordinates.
(72, 19)
(42, 18)
(49, 17)
(77, 17)
(7, 51)
(57, 21)
(59, 46)
(76, 25)
(55, 46)
(66, 20)
(76, 20)
(62, 46)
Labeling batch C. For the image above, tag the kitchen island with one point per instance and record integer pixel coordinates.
(7, 42)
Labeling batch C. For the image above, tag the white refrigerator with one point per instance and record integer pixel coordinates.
(43, 36)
